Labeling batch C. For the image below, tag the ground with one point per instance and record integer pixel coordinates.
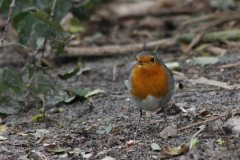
(210, 112)
(76, 126)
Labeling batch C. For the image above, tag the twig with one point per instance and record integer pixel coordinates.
(229, 65)
(193, 137)
(119, 49)
(114, 72)
(53, 8)
(198, 123)
(43, 45)
(211, 36)
(210, 17)
(194, 42)
(224, 18)
(206, 81)
(8, 21)
(218, 74)
(195, 90)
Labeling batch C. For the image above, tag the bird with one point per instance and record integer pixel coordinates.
(151, 83)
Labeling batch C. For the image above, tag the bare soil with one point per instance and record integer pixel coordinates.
(76, 126)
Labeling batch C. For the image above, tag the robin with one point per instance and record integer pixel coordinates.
(151, 83)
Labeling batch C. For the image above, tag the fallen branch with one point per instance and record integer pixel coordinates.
(206, 81)
(119, 49)
(203, 122)
(215, 19)
(229, 65)
(219, 74)
(211, 36)
(203, 80)
(194, 42)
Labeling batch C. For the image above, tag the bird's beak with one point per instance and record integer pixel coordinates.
(140, 62)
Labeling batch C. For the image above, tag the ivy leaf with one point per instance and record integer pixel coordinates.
(3, 85)
(82, 13)
(61, 9)
(12, 77)
(9, 105)
(31, 71)
(79, 92)
(4, 5)
(25, 32)
(71, 73)
(55, 26)
(52, 94)
(58, 46)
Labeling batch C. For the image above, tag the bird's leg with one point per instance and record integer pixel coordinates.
(165, 117)
(140, 111)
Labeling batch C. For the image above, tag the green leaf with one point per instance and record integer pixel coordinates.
(100, 131)
(43, 30)
(4, 5)
(55, 26)
(31, 71)
(18, 18)
(61, 9)
(12, 77)
(206, 60)
(25, 32)
(82, 13)
(93, 37)
(9, 105)
(94, 92)
(3, 85)
(155, 147)
(52, 94)
(60, 110)
(79, 92)
(220, 142)
(195, 141)
(71, 73)
(38, 118)
(109, 128)
(59, 47)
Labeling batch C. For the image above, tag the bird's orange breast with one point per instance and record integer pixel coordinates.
(149, 80)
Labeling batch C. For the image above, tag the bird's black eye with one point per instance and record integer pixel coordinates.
(152, 59)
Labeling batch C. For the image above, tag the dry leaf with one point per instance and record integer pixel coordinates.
(203, 80)
(3, 128)
(170, 131)
(216, 50)
(116, 130)
(176, 150)
(232, 125)
(108, 158)
(129, 143)
(204, 113)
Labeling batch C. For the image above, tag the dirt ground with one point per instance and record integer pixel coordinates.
(76, 126)
(72, 132)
